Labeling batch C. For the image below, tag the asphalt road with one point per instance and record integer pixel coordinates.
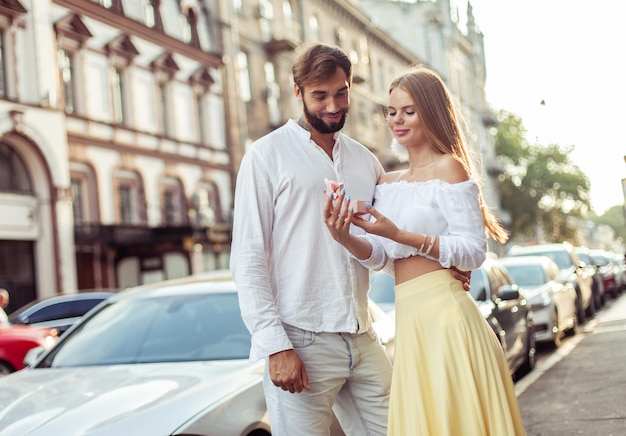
(580, 388)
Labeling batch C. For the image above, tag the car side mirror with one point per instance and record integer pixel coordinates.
(508, 292)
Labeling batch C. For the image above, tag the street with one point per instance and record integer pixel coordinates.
(579, 389)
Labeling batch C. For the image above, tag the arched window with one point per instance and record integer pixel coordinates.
(14, 176)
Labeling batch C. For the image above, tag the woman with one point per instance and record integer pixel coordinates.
(450, 374)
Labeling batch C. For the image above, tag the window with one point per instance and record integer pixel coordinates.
(163, 109)
(78, 199)
(3, 74)
(272, 94)
(243, 76)
(127, 204)
(66, 71)
(165, 69)
(121, 53)
(117, 83)
(201, 116)
(201, 82)
(173, 202)
(84, 196)
(315, 28)
(13, 174)
(266, 17)
(131, 209)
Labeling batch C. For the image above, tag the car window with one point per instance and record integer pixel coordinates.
(527, 275)
(53, 311)
(165, 329)
(64, 309)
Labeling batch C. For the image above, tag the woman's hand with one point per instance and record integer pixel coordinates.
(382, 226)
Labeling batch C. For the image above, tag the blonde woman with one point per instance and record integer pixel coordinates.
(450, 375)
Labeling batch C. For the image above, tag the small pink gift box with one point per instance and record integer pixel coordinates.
(357, 206)
(334, 187)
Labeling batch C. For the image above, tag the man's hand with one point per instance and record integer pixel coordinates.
(463, 277)
(287, 371)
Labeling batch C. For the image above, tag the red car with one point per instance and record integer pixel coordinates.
(15, 342)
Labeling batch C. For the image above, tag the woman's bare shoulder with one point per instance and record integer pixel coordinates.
(450, 169)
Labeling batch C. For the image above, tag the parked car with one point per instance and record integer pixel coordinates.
(607, 270)
(507, 312)
(169, 358)
(553, 301)
(60, 311)
(382, 291)
(597, 280)
(572, 270)
(620, 267)
(15, 342)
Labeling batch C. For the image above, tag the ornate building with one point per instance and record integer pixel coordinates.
(114, 164)
(123, 122)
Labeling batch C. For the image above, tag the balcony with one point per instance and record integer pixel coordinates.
(282, 37)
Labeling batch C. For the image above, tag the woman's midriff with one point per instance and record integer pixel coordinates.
(412, 267)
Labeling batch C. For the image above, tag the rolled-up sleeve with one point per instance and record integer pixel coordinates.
(465, 246)
(252, 224)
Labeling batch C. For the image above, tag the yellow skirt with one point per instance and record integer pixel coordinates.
(450, 375)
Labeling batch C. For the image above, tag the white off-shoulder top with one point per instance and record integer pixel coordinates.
(450, 211)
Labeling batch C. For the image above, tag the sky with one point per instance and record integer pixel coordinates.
(570, 55)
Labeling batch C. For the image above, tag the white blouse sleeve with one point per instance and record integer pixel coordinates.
(378, 258)
(465, 247)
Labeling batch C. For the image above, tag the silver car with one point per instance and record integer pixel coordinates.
(169, 358)
(553, 301)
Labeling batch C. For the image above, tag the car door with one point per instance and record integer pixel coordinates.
(508, 313)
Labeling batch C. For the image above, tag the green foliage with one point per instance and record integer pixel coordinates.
(615, 218)
(545, 193)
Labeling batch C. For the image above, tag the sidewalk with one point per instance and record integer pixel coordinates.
(581, 388)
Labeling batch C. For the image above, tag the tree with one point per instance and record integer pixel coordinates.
(546, 194)
(615, 218)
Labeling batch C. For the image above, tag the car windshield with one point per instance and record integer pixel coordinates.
(527, 275)
(159, 329)
(600, 260)
(561, 258)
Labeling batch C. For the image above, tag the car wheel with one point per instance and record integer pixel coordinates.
(573, 330)
(591, 309)
(531, 355)
(580, 311)
(557, 334)
(5, 369)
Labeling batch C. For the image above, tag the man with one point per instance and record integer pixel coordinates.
(302, 296)
(4, 302)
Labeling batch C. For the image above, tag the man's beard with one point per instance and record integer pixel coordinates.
(319, 124)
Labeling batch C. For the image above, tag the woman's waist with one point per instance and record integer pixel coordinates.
(408, 268)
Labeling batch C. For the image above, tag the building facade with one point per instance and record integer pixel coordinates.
(115, 165)
(123, 122)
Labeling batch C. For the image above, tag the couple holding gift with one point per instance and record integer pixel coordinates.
(303, 278)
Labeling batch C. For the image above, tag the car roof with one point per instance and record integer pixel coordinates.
(539, 248)
(525, 260)
(211, 282)
(81, 295)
